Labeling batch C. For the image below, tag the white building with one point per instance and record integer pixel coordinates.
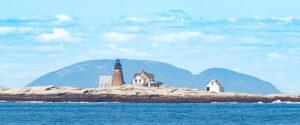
(215, 86)
(145, 79)
(105, 81)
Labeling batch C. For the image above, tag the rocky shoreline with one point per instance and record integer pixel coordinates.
(135, 94)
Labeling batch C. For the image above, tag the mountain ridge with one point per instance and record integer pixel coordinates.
(85, 75)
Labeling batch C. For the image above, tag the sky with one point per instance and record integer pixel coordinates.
(255, 37)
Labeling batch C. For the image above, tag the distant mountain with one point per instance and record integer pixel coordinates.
(86, 75)
(235, 82)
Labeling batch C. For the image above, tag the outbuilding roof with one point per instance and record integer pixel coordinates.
(215, 81)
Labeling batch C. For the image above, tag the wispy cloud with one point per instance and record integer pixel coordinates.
(118, 37)
(285, 19)
(14, 30)
(10, 65)
(204, 49)
(154, 45)
(182, 36)
(212, 38)
(123, 50)
(61, 18)
(173, 17)
(274, 55)
(245, 48)
(168, 18)
(39, 21)
(130, 28)
(136, 19)
(19, 28)
(48, 48)
(295, 50)
(254, 40)
(129, 51)
(231, 19)
(58, 35)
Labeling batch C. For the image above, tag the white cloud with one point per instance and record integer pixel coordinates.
(126, 51)
(123, 50)
(118, 37)
(14, 30)
(251, 40)
(295, 49)
(285, 19)
(62, 18)
(135, 19)
(213, 38)
(231, 19)
(147, 20)
(10, 65)
(48, 48)
(8, 47)
(7, 30)
(244, 48)
(274, 55)
(58, 34)
(113, 46)
(130, 28)
(182, 36)
(205, 49)
(171, 18)
(196, 49)
(154, 45)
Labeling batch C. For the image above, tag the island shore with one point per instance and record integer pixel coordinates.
(135, 94)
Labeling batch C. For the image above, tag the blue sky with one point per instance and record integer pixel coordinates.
(260, 38)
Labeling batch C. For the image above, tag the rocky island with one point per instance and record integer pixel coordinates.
(127, 93)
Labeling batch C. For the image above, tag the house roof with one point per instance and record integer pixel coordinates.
(216, 82)
(148, 75)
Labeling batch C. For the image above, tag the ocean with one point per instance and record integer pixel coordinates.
(31, 113)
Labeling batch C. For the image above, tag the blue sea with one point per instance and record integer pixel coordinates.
(148, 113)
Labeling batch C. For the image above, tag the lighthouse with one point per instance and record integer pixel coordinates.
(118, 75)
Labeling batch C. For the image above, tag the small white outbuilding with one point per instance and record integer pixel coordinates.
(215, 86)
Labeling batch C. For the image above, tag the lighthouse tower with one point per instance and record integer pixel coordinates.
(118, 75)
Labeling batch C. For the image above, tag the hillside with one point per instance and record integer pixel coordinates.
(235, 82)
(86, 75)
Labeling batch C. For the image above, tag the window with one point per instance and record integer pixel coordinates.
(207, 89)
(140, 80)
(135, 80)
(212, 83)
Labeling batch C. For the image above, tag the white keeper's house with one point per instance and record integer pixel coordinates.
(215, 86)
(145, 79)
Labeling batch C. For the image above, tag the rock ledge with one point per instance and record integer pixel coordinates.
(135, 94)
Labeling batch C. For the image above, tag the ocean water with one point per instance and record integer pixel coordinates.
(148, 113)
